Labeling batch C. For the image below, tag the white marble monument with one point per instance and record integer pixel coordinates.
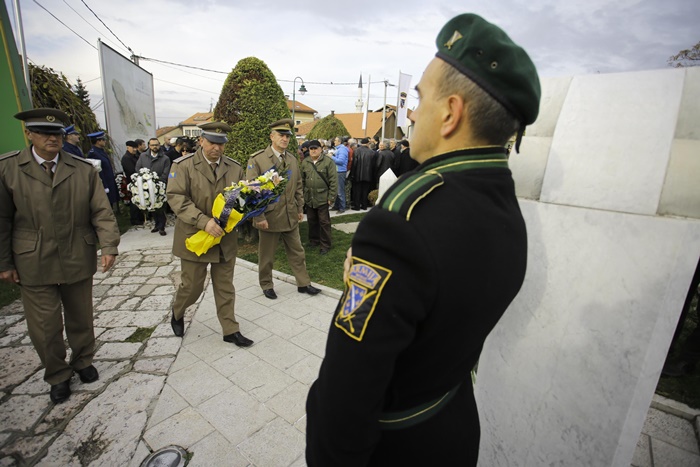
(609, 185)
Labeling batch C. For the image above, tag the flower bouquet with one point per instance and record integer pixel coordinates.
(238, 203)
(147, 190)
(123, 185)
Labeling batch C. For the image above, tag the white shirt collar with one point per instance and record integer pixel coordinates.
(40, 160)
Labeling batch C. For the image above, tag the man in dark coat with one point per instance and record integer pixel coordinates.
(431, 270)
(363, 168)
(99, 142)
(385, 161)
(404, 163)
(129, 159)
(156, 160)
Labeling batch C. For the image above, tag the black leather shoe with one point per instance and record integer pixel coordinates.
(309, 289)
(178, 325)
(323, 251)
(270, 293)
(162, 232)
(154, 230)
(88, 374)
(239, 339)
(60, 392)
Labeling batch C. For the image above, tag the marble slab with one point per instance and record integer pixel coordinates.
(681, 191)
(528, 167)
(612, 141)
(568, 374)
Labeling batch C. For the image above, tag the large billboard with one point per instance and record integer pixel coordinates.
(128, 96)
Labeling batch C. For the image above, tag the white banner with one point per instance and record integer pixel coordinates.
(130, 108)
(404, 86)
(364, 115)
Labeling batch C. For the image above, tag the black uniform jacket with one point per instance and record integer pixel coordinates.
(434, 267)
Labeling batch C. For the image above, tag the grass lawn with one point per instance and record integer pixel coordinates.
(327, 269)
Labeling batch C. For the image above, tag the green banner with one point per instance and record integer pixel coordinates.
(14, 96)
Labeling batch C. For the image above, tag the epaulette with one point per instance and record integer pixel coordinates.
(232, 160)
(7, 155)
(81, 159)
(404, 196)
(183, 158)
(256, 153)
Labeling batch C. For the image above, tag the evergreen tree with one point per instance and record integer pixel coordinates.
(327, 128)
(249, 101)
(52, 89)
(82, 92)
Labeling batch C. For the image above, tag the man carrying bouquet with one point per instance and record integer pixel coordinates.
(280, 221)
(195, 181)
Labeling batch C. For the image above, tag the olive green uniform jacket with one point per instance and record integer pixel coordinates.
(282, 216)
(191, 191)
(49, 229)
(320, 181)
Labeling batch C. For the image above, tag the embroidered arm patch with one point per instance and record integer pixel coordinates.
(365, 284)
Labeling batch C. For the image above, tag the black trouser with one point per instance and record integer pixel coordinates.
(319, 220)
(136, 214)
(359, 195)
(159, 218)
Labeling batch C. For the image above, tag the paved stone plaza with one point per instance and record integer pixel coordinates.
(225, 405)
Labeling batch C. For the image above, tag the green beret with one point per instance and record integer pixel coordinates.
(486, 55)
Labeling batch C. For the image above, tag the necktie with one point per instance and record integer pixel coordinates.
(48, 167)
(213, 167)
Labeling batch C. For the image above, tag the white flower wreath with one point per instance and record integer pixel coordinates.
(147, 190)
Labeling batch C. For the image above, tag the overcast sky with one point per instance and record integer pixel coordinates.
(335, 42)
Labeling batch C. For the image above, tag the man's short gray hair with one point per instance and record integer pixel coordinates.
(489, 120)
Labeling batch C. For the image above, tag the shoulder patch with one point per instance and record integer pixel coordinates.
(404, 196)
(7, 155)
(365, 284)
(183, 158)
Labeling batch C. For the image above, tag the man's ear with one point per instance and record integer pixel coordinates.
(453, 113)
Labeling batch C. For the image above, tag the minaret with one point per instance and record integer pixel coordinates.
(359, 103)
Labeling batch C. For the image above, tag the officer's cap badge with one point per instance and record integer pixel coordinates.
(455, 37)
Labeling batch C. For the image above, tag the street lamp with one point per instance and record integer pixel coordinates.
(302, 91)
(386, 84)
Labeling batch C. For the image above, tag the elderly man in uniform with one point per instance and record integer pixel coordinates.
(195, 181)
(319, 177)
(394, 387)
(53, 212)
(280, 221)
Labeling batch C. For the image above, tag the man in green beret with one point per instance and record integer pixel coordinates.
(53, 213)
(432, 268)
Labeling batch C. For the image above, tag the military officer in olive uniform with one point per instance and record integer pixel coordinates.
(280, 221)
(53, 212)
(432, 268)
(194, 182)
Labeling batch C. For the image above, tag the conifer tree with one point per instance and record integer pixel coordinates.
(328, 128)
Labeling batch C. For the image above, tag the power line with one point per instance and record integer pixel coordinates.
(184, 86)
(54, 16)
(88, 22)
(184, 66)
(103, 24)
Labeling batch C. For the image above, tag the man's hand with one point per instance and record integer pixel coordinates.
(213, 229)
(262, 225)
(301, 216)
(10, 276)
(347, 264)
(107, 262)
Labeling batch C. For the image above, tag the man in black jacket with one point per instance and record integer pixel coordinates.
(363, 169)
(129, 159)
(394, 387)
(156, 160)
